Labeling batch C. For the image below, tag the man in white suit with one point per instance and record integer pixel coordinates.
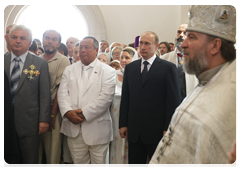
(84, 96)
(187, 82)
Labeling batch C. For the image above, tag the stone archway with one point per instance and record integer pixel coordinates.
(91, 13)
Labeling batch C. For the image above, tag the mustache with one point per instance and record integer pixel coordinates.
(180, 38)
(184, 51)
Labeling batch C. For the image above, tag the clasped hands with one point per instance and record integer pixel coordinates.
(75, 116)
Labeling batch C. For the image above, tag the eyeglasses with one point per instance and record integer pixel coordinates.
(117, 53)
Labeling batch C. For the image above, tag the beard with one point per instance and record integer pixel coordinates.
(197, 64)
(178, 42)
(49, 51)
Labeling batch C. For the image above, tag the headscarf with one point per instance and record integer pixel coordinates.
(135, 57)
(107, 55)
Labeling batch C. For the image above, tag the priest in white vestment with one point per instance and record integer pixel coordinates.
(203, 127)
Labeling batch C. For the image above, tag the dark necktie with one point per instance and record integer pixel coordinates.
(145, 70)
(15, 76)
(70, 60)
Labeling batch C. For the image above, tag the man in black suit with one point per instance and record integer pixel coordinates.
(30, 93)
(11, 150)
(150, 95)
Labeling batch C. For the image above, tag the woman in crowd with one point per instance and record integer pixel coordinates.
(119, 146)
(104, 57)
(115, 53)
(115, 64)
(40, 50)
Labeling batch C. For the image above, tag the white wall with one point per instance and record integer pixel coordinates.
(125, 22)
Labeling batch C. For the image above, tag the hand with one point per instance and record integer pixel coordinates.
(43, 127)
(52, 123)
(72, 115)
(232, 155)
(123, 132)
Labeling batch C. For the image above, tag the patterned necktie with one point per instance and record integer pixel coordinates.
(179, 54)
(180, 59)
(70, 60)
(145, 70)
(15, 76)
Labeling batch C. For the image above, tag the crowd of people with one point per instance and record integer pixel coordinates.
(151, 102)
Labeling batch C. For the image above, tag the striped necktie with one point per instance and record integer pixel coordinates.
(15, 76)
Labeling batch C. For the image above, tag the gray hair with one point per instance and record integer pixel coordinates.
(95, 41)
(10, 25)
(105, 41)
(21, 27)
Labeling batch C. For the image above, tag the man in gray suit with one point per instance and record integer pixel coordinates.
(30, 92)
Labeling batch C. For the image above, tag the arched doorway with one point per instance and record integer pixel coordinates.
(91, 14)
(66, 19)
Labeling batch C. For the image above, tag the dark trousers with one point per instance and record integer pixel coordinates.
(137, 152)
(29, 149)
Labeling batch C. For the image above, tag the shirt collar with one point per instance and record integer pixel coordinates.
(22, 57)
(178, 51)
(150, 60)
(91, 65)
(54, 57)
(207, 75)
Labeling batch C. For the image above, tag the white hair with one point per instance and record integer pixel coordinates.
(21, 27)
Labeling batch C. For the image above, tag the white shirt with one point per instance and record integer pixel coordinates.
(21, 62)
(90, 67)
(150, 61)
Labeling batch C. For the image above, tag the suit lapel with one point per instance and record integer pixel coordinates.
(155, 66)
(29, 60)
(139, 75)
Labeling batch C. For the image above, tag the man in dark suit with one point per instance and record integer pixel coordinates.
(11, 150)
(150, 95)
(30, 93)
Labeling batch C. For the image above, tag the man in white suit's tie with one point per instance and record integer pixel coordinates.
(85, 94)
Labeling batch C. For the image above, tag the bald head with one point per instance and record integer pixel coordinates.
(181, 31)
(114, 44)
(71, 41)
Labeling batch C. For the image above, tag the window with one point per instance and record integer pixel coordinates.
(66, 19)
